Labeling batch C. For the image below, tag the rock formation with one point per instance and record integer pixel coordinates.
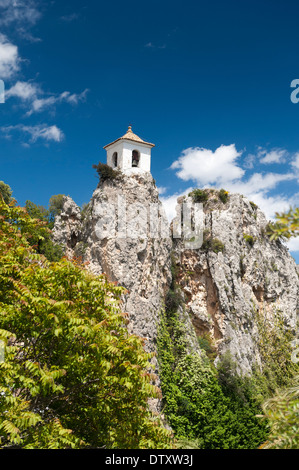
(119, 234)
(236, 273)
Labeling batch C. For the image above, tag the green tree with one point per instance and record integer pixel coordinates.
(5, 192)
(72, 375)
(55, 207)
(41, 237)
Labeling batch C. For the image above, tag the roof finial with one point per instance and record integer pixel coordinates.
(130, 129)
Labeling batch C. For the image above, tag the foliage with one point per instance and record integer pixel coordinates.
(174, 268)
(249, 239)
(85, 211)
(173, 299)
(5, 192)
(185, 443)
(231, 382)
(37, 212)
(105, 172)
(287, 225)
(55, 207)
(282, 414)
(195, 404)
(213, 244)
(223, 195)
(47, 215)
(216, 245)
(275, 349)
(205, 342)
(253, 205)
(72, 376)
(199, 195)
(41, 237)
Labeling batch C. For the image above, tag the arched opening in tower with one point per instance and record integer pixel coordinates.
(114, 159)
(135, 158)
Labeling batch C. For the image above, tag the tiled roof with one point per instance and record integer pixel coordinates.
(129, 135)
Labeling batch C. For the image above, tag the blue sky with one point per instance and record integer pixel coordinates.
(208, 82)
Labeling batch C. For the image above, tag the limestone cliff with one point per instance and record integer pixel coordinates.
(116, 235)
(236, 273)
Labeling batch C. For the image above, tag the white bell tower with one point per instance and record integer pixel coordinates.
(129, 153)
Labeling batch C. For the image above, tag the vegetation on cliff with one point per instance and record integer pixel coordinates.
(72, 376)
(217, 415)
(216, 408)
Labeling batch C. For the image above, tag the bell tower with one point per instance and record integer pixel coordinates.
(129, 153)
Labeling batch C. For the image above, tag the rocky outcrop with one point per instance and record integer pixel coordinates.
(68, 227)
(236, 274)
(123, 240)
(119, 234)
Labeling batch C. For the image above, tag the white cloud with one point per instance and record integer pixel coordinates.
(22, 14)
(23, 90)
(34, 97)
(38, 132)
(74, 98)
(258, 182)
(19, 11)
(293, 244)
(295, 162)
(161, 189)
(273, 156)
(9, 58)
(207, 167)
(249, 160)
(40, 104)
(45, 132)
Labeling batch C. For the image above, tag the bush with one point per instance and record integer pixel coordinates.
(173, 300)
(205, 342)
(216, 245)
(105, 172)
(223, 195)
(249, 239)
(213, 244)
(199, 195)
